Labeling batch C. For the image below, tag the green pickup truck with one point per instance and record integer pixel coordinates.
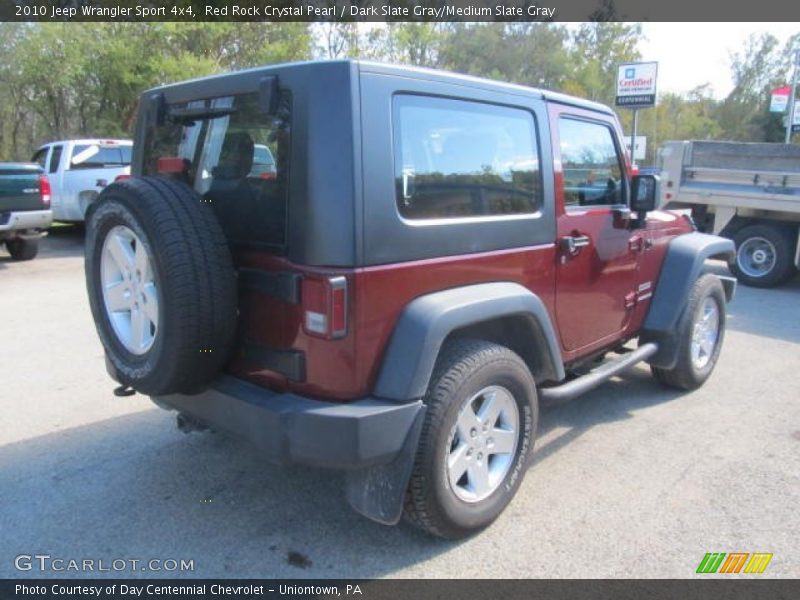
(24, 208)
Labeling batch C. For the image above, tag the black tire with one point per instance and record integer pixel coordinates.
(686, 374)
(23, 249)
(782, 239)
(464, 368)
(195, 277)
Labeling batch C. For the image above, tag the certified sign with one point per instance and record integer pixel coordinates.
(636, 84)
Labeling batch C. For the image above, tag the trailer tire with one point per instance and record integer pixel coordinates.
(764, 254)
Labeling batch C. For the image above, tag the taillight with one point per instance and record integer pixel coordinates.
(122, 177)
(44, 190)
(325, 307)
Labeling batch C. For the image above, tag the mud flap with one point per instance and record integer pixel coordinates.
(378, 492)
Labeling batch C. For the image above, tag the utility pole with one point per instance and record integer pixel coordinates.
(790, 117)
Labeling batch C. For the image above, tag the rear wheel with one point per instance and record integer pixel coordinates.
(701, 330)
(23, 249)
(764, 255)
(476, 441)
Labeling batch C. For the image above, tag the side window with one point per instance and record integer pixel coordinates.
(41, 156)
(55, 158)
(457, 159)
(592, 168)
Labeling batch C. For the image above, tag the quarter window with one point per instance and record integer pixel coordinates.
(591, 165)
(457, 159)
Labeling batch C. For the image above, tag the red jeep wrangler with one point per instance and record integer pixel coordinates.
(427, 258)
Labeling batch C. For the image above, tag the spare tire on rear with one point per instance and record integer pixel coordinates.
(161, 284)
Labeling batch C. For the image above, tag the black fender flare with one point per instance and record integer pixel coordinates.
(683, 264)
(427, 321)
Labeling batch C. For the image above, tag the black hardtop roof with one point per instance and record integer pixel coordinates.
(419, 73)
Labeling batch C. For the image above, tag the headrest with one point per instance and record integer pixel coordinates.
(236, 156)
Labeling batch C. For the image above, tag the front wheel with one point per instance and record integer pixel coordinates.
(476, 441)
(701, 330)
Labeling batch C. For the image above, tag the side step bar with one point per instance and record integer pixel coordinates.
(570, 390)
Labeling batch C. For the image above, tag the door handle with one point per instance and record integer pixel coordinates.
(636, 243)
(572, 244)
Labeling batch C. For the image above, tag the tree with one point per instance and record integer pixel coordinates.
(744, 113)
(596, 51)
(84, 79)
(16, 117)
(348, 40)
(534, 54)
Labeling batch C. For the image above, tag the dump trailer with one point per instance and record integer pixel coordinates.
(748, 192)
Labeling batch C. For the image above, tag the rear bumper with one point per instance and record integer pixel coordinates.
(25, 219)
(293, 429)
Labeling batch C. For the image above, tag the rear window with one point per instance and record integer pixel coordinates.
(96, 156)
(457, 159)
(234, 156)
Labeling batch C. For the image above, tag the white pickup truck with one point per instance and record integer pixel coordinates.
(78, 170)
(748, 192)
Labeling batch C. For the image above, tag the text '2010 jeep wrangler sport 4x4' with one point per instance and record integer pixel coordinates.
(431, 255)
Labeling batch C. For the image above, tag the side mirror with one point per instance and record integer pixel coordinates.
(644, 193)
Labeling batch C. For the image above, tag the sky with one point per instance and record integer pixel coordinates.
(691, 54)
